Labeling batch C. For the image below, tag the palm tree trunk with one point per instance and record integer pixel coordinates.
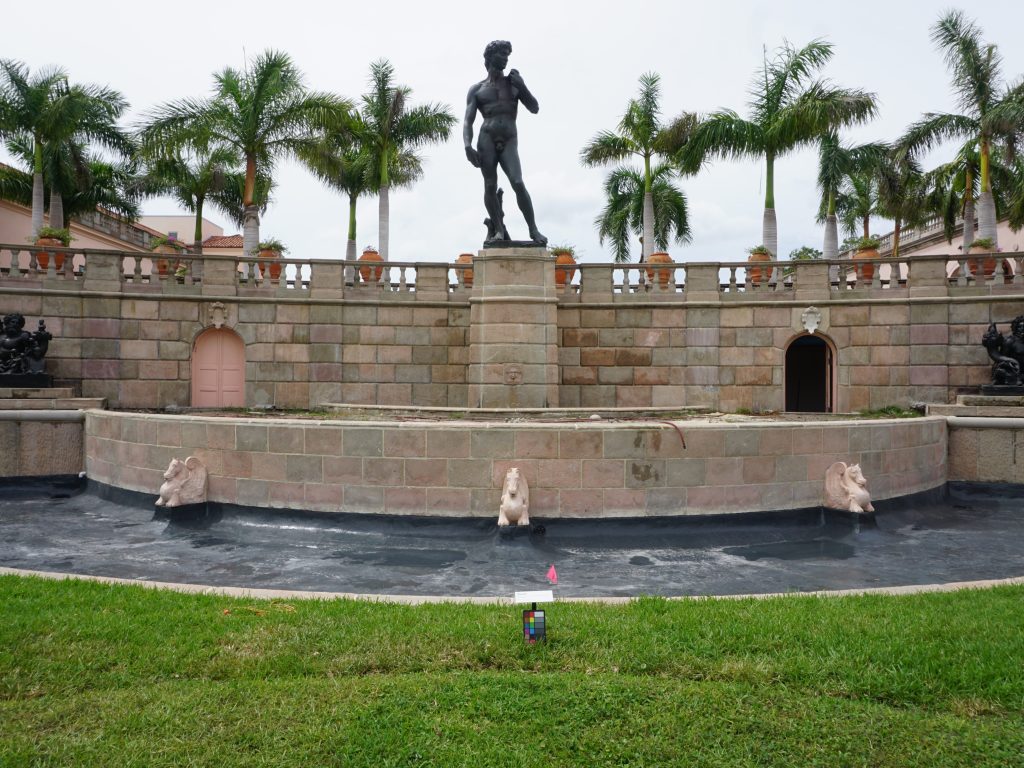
(769, 227)
(251, 220)
(350, 247)
(648, 243)
(384, 221)
(197, 236)
(56, 210)
(986, 203)
(830, 250)
(37, 190)
(968, 218)
(770, 232)
(866, 224)
(251, 231)
(896, 238)
(831, 247)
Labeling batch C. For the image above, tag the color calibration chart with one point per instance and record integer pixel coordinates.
(533, 626)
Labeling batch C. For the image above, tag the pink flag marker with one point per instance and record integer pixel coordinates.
(552, 575)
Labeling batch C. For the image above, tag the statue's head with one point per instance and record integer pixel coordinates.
(496, 54)
(13, 324)
(1017, 326)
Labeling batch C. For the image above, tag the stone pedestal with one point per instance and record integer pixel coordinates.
(513, 352)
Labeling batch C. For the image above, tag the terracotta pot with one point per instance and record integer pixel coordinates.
(269, 267)
(163, 266)
(664, 275)
(759, 275)
(467, 274)
(563, 268)
(866, 271)
(43, 257)
(366, 272)
(987, 265)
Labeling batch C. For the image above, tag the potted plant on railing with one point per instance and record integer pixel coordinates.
(54, 237)
(564, 262)
(757, 255)
(370, 254)
(168, 245)
(467, 274)
(270, 252)
(987, 265)
(665, 274)
(865, 249)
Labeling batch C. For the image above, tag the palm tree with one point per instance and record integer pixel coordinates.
(263, 112)
(786, 112)
(990, 112)
(193, 180)
(53, 117)
(639, 135)
(857, 202)
(77, 179)
(902, 194)
(389, 134)
(836, 164)
(338, 162)
(630, 198)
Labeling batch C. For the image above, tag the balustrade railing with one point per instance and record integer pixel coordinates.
(41, 266)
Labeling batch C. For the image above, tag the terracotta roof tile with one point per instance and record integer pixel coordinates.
(223, 241)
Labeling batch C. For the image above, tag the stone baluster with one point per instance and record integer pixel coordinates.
(15, 262)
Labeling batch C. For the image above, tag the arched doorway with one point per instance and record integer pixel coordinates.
(218, 369)
(809, 375)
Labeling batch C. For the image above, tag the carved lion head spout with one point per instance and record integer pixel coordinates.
(515, 500)
(846, 488)
(184, 483)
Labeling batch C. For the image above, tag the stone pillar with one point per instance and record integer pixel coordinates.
(513, 336)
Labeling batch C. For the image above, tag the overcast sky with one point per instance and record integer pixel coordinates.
(580, 59)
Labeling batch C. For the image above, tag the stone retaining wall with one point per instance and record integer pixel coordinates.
(574, 470)
(604, 341)
(37, 443)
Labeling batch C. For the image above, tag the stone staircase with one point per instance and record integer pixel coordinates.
(55, 398)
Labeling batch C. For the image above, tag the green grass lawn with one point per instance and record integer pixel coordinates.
(111, 675)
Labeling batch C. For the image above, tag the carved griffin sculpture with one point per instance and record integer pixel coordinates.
(184, 483)
(846, 488)
(515, 500)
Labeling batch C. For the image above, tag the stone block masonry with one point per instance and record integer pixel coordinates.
(457, 468)
(514, 339)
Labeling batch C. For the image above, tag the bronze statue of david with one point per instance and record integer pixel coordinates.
(497, 98)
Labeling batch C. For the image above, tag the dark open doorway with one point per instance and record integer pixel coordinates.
(809, 375)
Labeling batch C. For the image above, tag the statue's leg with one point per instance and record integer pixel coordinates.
(511, 166)
(489, 169)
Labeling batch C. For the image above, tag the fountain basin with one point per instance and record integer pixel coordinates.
(576, 469)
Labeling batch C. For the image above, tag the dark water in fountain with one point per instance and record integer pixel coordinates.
(961, 533)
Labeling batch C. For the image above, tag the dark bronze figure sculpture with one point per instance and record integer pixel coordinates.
(22, 352)
(497, 98)
(1007, 353)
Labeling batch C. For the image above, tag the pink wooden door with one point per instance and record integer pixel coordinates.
(218, 370)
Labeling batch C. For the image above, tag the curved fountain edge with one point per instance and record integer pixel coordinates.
(575, 470)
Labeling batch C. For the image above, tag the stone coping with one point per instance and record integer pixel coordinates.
(256, 593)
(580, 469)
